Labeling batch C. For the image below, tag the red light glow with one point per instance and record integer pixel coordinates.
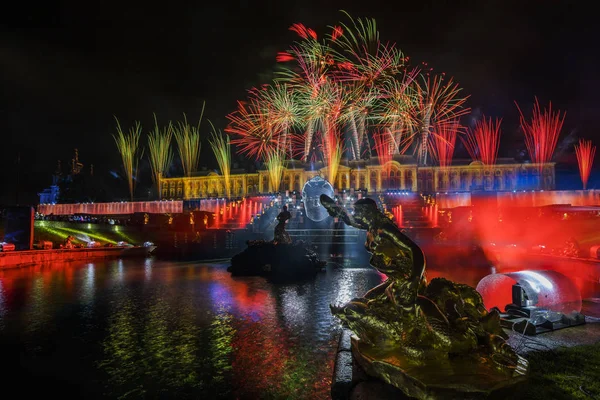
(483, 141)
(541, 134)
(585, 158)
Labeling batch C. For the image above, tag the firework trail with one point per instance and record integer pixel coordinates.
(221, 148)
(128, 145)
(161, 155)
(439, 103)
(384, 148)
(585, 159)
(188, 143)
(483, 141)
(444, 141)
(255, 136)
(541, 134)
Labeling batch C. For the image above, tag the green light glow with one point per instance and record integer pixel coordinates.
(128, 148)
(188, 144)
(159, 145)
(222, 150)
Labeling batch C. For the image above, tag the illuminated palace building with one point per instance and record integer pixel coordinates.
(401, 173)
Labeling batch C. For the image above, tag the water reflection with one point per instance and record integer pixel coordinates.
(133, 329)
(2, 310)
(146, 328)
(148, 269)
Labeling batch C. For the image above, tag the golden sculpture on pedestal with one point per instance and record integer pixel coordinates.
(431, 340)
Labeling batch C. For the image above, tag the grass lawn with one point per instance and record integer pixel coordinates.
(566, 373)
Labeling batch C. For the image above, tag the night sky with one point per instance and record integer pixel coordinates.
(66, 69)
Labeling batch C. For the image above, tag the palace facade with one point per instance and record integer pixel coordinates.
(401, 173)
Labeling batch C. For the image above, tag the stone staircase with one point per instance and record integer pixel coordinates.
(412, 209)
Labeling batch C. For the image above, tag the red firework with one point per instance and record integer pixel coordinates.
(585, 158)
(337, 33)
(441, 100)
(284, 56)
(438, 103)
(303, 31)
(541, 134)
(332, 147)
(254, 133)
(483, 141)
(444, 141)
(384, 148)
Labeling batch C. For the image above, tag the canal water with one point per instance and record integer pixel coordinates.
(155, 329)
(134, 329)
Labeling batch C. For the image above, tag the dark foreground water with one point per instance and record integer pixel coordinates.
(150, 329)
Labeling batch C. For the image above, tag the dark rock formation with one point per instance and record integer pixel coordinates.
(276, 261)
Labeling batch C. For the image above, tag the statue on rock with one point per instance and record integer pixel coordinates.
(431, 339)
(279, 259)
(281, 236)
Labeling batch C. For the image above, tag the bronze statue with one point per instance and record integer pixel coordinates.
(68, 244)
(427, 339)
(281, 236)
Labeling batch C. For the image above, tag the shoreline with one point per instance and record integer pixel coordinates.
(27, 258)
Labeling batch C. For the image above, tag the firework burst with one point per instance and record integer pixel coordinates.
(384, 148)
(281, 108)
(483, 141)
(355, 117)
(444, 141)
(398, 110)
(221, 148)
(361, 56)
(255, 135)
(188, 144)
(438, 103)
(585, 159)
(274, 162)
(541, 134)
(345, 81)
(323, 112)
(161, 155)
(128, 145)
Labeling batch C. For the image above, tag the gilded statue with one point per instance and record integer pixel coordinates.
(429, 339)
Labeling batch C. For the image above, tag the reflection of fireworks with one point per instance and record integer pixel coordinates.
(128, 148)
(159, 145)
(541, 134)
(585, 158)
(188, 143)
(222, 150)
(444, 140)
(483, 141)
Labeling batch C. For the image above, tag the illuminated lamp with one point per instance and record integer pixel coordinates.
(533, 302)
(595, 252)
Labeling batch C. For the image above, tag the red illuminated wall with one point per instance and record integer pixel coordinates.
(525, 199)
(153, 207)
